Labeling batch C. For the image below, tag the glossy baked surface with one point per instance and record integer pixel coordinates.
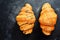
(26, 19)
(47, 19)
(9, 29)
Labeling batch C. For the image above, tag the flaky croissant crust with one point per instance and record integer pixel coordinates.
(47, 19)
(26, 19)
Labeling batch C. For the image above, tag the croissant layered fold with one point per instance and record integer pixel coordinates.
(26, 19)
(47, 19)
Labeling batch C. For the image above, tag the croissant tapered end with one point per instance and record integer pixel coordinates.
(28, 31)
(46, 33)
(28, 5)
(46, 5)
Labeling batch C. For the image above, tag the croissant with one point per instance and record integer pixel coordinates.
(26, 19)
(47, 19)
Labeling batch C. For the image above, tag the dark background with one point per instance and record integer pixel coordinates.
(9, 30)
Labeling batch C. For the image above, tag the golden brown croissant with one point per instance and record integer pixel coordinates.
(26, 19)
(47, 19)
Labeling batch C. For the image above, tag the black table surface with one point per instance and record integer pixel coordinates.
(9, 30)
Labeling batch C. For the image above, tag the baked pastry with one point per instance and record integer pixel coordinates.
(47, 19)
(26, 19)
